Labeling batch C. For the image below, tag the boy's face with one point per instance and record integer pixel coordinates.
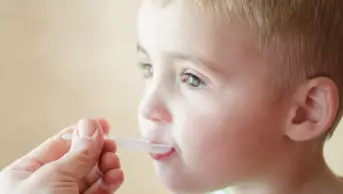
(208, 92)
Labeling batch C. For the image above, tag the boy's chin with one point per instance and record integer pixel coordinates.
(179, 182)
(180, 187)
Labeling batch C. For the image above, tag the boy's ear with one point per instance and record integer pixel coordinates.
(314, 110)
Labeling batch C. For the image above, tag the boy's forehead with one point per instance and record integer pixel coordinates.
(208, 5)
(182, 28)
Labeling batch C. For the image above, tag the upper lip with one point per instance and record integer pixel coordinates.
(158, 136)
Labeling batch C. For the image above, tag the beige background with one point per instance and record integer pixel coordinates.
(63, 60)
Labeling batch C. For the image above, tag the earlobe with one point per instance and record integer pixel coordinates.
(314, 110)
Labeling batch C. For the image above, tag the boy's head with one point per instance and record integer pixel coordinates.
(242, 88)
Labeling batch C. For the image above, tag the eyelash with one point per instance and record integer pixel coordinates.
(186, 77)
(146, 67)
(192, 80)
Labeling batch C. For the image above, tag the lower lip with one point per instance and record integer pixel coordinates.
(163, 156)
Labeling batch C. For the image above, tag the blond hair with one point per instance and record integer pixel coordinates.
(307, 34)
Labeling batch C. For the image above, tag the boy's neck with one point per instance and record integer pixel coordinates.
(308, 176)
(324, 185)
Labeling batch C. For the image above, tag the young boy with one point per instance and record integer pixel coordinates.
(247, 91)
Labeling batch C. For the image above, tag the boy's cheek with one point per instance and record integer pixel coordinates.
(229, 130)
(199, 138)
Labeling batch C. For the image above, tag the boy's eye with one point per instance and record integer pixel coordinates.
(192, 80)
(147, 70)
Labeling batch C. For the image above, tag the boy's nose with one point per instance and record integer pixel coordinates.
(155, 110)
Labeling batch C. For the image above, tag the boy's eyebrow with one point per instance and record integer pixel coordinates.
(181, 56)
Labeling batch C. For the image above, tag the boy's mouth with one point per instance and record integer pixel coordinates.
(163, 156)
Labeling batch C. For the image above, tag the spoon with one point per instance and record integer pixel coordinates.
(133, 144)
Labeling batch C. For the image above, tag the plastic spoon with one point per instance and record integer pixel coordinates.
(134, 144)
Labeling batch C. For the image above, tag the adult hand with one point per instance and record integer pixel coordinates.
(87, 164)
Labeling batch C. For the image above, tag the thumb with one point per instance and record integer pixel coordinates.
(86, 146)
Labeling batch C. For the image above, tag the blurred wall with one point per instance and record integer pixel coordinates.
(64, 60)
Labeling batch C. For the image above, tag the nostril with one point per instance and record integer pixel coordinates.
(157, 114)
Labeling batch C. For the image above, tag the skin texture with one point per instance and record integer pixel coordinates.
(209, 91)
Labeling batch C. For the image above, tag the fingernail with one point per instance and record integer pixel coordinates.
(87, 129)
